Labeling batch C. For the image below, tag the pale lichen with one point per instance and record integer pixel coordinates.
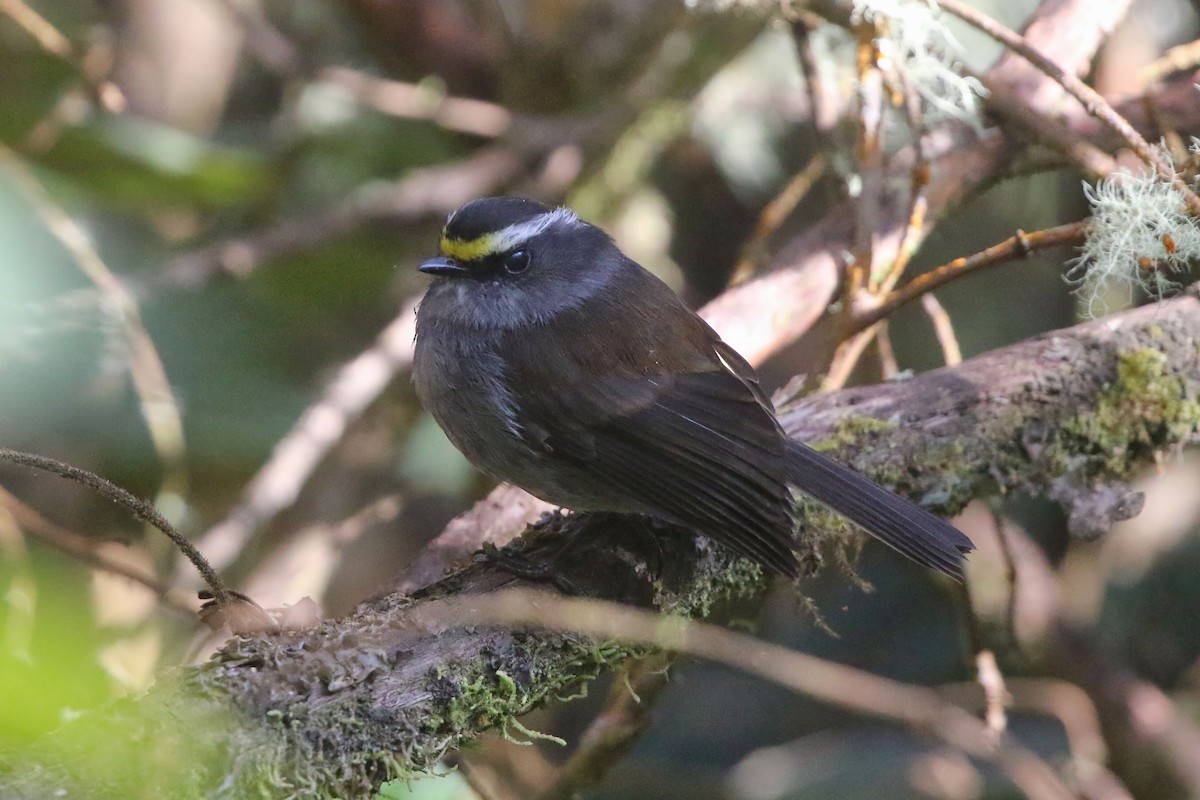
(1140, 237)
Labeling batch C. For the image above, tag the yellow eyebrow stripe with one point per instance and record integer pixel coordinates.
(464, 250)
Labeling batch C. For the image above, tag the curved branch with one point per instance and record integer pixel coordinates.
(387, 692)
(763, 315)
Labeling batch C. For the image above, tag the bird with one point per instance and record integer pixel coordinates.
(555, 362)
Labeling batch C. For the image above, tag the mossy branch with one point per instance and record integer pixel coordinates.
(336, 710)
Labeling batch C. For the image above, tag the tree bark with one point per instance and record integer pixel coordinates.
(380, 694)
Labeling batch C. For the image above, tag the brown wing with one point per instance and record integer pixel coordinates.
(662, 422)
(897, 522)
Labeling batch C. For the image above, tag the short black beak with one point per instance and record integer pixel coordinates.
(443, 266)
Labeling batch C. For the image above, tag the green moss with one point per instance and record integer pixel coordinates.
(851, 430)
(483, 693)
(935, 477)
(486, 702)
(1146, 409)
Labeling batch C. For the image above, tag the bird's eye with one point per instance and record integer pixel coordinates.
(516, 261)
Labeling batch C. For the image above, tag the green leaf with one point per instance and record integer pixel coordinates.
(141, 165)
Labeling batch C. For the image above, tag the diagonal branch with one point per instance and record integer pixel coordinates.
(388, 690)
(761, 316)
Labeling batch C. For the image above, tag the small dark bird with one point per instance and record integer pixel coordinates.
(555, 362)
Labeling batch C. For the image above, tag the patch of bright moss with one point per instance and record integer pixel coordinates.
(1146, 409)
(851, 430)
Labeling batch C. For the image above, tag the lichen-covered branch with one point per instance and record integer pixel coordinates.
(336, 710)
(1068, 414)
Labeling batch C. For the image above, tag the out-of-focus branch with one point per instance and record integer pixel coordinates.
(1177, 59)
(390, 689)
(410, 101)
(615, 730)
(916, 707)
(1173, 103)
(146, 371)
(37, 26)
(278, 482)
(775, 213)
(1091, 100)
(88, 551)
(765, 314)
(1152, 744)
(429, 193)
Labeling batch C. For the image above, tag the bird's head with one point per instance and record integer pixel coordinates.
(506, 261)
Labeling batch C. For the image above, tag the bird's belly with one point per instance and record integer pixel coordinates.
(466, 392)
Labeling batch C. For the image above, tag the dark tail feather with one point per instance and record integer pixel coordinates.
(893, 520)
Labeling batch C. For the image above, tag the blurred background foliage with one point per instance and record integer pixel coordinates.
(168, 129)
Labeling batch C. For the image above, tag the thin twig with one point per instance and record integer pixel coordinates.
(987, 672)
(889, 367)
(920, 175)
(822, 111)
(843, 687)
(88, 551)
(991, 680)
(774, 214)
(615, 729)
(1018, 245)
(156, 400)
(37, 26)
(135, 505)
(95, 82)
(943, 328)
(1010, 575)
(1177, 59)
(1062, 700)
(1091, 100)
(869, 152)
(845, 358)
(1014, 109)
(296, 456)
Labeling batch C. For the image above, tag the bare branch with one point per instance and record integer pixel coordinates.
(88, 551)
(159, 409)
(278, 482)
(388, 689)
(1086, 95)
(135, 505)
